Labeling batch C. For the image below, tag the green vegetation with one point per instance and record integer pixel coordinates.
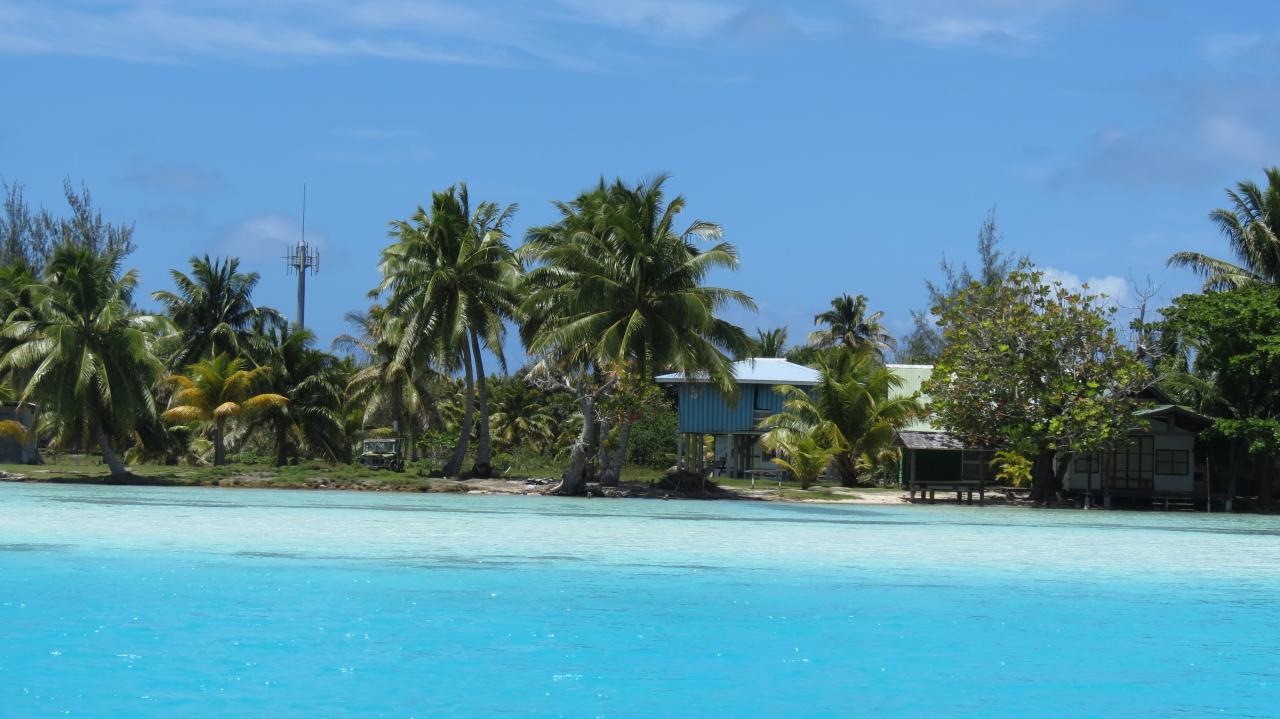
(217, 389)
(853, 411)
(1034, 367)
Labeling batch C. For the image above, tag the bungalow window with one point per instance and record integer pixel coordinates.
(1173, 461)
(1132, 466)
(1088, 463)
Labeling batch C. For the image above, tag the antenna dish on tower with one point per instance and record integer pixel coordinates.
(299, 259)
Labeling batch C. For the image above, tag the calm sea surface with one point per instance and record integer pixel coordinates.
(146, 602)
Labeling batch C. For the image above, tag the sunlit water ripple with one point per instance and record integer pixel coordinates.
(140, 602)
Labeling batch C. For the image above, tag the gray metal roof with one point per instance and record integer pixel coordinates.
(929, 440)
(757, 370)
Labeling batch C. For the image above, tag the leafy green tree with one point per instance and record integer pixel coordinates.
(615, 283)
(310, 422)
(450, 273)
(849, 326)
(213, 307)
(1251, 227)
(218, 390)
(856, 409)
(1036, 368)
(1236, 339)
(88, 356)
(802, 455)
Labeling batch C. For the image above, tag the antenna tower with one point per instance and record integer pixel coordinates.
(301, 258)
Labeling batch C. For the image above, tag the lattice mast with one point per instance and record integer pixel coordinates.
(301, 258)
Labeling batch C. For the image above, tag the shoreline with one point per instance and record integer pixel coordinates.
(525, 486)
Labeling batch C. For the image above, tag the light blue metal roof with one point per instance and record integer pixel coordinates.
(758, 370)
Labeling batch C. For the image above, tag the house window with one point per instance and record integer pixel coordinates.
(1173, 461)
(1133, 465)
(1088, 463)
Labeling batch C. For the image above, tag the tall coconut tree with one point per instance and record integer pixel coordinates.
(1251, 226)
(856, 409)
(848, 325)
(449, 273)
(618, 283)
(213, 307)
(88, 357)
(217, 390)
(380, 386)
(310, 422)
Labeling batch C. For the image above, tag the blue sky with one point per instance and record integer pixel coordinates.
(846, 146)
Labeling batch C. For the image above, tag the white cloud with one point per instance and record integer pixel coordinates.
(266, 238)
(989, 23)
(1115, 288)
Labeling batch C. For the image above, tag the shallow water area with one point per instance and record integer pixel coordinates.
(139, 602)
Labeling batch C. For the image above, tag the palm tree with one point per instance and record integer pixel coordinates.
(1252, 228)
(213, 306)
(617, 285)
(520, 417)
(382, 387)
(217, 390)
(848, 325)
(802, 455)
(855, 408)
(450, 275)
(311, 380)
(90, 356)
(770, 343)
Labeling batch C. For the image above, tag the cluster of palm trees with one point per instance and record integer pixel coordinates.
(613, 290)
(610, 294)
(170, 385)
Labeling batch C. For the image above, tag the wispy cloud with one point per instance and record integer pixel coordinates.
(179, 178)
(977, 23)
(266, 237)
(562, 33)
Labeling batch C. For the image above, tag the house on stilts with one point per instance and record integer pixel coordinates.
(732, 422)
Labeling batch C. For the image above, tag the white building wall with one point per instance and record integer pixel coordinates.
(1162, 482)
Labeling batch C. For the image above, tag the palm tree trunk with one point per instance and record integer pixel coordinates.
(109, 455)
(454, 466)
(282, 444)
(483, 466)
(574, 480)
(219, 445)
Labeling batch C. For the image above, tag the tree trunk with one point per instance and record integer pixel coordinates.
(603, 428)
(1262, 471)
(219, 444)
(1043, 477)
(109, 456)
(483, 466)
(847, 469)
(574, 480)
(611, 474)
(282, 445)
(454, 466)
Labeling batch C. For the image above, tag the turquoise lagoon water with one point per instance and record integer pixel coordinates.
(149, 602)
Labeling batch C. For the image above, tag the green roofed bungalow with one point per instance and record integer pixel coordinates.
(932, 458)
(1159, 460)
(733, 422)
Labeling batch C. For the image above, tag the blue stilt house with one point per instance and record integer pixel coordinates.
(733, 422)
